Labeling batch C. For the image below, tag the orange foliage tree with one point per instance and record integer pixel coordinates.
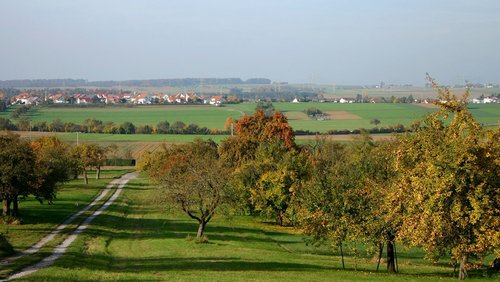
(262, 128)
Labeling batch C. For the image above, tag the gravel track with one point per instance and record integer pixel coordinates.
(61, 248)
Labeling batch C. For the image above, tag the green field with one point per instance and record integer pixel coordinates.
(136, 240)
(342, 116)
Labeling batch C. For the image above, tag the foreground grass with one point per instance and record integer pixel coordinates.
(136, 241)
(40, 219)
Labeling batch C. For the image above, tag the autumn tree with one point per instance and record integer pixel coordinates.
(321, 200)
(262, 128)
(17, 171)
(90, 156)
(53, 165)
(448, 190)
(373, 174)
(258, 156)
(192, 178)
(228, 125)
(271, 180)
(343, 200)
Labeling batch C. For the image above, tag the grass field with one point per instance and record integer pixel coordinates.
(341, 116)
(135, 240)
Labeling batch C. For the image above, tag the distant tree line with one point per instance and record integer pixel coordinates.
(397, 128)
(98, 126)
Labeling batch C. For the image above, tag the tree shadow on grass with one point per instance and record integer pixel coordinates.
(143, 228)
(220, 264)
(165, 263)
(136, 186)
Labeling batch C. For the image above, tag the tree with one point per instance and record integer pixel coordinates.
(163, 127)
(313, 112)
(110, 127)
(191, 177)
(448, 191)
(3, 105)
(262, 128)
(41, 126)
(272, 179)
(127, 128)
(56, 125)
(6, 124)
(372, 173)
(17, 171)
(266, 107)
(343, 200)
(92, 125)
(375, 121)
(97, 155)
(20, 111)
(23, 124)
(53, 165)
(144, 129)
(257, 157)
(89, 156)
(178, 127)
(228, 125)
(322, 199)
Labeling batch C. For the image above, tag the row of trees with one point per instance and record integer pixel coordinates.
(92, 125)
(436, 187)
(38, 167)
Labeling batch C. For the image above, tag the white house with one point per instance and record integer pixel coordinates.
(217, 100)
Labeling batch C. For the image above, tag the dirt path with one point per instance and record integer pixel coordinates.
(61, 248)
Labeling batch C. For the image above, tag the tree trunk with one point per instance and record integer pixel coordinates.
(6, 207)
(462, 272)
(201, 229)
(15, 206)
(85, 178)
(380, 250)
(98, 172)
(391, 266)
(342, 255)
(280, 218)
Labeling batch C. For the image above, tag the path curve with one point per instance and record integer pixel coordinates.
(61, 248)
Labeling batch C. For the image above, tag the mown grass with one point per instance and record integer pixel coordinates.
(135, 240)
(40, 219)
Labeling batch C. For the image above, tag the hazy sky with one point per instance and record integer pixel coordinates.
(302, 41)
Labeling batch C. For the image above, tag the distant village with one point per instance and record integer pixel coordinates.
(217, 100)
(128, 98)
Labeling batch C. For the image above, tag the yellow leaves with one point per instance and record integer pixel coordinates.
(451, 170)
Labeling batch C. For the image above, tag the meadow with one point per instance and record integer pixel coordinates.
(340, 116)
(137, 240)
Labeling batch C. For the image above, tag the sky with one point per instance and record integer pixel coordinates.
(302, 41)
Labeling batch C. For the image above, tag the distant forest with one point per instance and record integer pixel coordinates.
(180, 82)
